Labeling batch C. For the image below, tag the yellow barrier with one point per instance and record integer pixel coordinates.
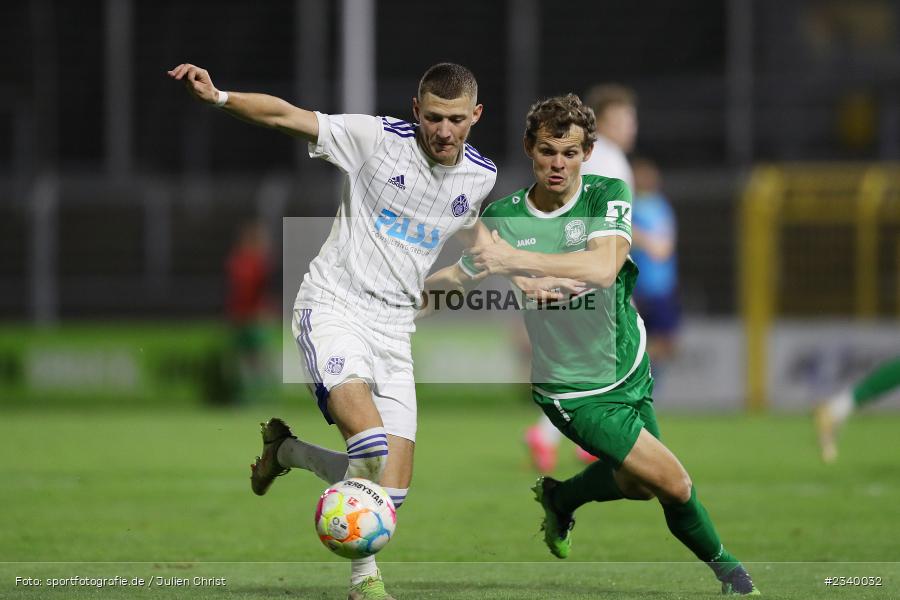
(781, 200)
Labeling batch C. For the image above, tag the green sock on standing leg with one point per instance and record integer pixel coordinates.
(690, 523)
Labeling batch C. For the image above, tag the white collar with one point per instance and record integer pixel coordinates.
(535, 211)
(433, 163)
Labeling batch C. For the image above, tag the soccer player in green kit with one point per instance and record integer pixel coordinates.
(833, 413)
(590, 370)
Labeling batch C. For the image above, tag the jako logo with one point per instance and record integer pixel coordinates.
(400, 228)
(529, 242)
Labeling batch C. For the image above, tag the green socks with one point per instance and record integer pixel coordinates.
(877, 383)
(690, 523)
(594, 484)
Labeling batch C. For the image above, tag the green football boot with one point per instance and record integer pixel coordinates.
(556, 526)
(370, 588)
(266, 468)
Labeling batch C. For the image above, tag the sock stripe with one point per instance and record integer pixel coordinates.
(398, 495)
(355, 443)
(375, 444)
(369, 454)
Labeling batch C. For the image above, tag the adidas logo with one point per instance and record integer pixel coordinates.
(398, 182)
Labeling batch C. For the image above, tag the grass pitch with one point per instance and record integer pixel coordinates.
(165, 494)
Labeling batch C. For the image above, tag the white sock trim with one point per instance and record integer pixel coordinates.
(398, 495)
(367, 440)
(841, 406)
(360, 568)
(367, 454)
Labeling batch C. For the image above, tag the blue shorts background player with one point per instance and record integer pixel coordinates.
(654, 233)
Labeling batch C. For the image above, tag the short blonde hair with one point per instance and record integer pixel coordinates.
(602, 96)
(448, 81)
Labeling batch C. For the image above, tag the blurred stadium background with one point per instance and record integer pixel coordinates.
(121, 200)
(776, 124)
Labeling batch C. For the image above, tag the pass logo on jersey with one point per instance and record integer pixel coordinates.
(402, 228)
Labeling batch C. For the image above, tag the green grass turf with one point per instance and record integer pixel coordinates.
(169, 490)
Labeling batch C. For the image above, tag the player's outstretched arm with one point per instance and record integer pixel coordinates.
(541, 289)
(454, 278)
(446, 280)
(259, 109)
(547, 289)
(598, 265)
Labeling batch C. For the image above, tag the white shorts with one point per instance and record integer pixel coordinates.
(336, 349)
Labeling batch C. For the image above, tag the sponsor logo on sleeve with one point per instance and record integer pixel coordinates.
(618, 213)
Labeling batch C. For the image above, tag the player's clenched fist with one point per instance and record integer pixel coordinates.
(197, 81)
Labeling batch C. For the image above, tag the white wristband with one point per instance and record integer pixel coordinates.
(221, 99)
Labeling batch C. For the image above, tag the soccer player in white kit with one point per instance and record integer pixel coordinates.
(408, 187)
(615, 108)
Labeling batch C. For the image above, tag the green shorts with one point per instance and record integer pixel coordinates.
(607, 425)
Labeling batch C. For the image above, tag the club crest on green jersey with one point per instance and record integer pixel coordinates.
(575, 232)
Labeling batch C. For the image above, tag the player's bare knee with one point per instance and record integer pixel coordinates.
(679, 489)
(674, 488)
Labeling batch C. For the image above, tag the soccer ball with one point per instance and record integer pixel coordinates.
(355, 518)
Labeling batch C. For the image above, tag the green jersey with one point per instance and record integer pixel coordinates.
(590, 343)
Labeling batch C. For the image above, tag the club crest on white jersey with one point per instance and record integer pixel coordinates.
(460, 205)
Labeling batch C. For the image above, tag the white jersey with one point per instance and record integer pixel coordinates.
(397, 210)
(608, 160)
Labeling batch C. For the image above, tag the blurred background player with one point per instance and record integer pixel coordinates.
(353, 315)
(248, 305)
(615, 110)
(831, 415)
(653, 251)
